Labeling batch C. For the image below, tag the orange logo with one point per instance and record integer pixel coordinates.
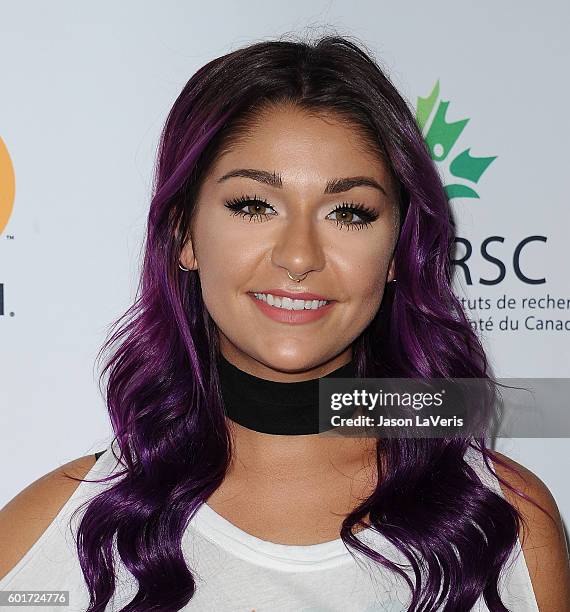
(7, 186)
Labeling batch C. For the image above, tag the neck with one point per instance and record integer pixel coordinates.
(275, 430)
(270, 407)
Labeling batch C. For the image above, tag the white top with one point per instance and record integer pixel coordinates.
(238, 572)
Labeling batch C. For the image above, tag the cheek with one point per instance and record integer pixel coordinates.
(219, 278)
(224, 261)
(367, 300)
(365, 267)
(217, 246)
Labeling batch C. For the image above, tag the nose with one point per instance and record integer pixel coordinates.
(298, 248)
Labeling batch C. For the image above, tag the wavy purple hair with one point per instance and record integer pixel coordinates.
(163, 392)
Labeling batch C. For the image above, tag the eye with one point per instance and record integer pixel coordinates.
(347, 210)
(236, 205)
(367, 216)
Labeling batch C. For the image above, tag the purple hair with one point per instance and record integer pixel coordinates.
(163, 393)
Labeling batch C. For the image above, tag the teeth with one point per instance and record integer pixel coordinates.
(289, 304)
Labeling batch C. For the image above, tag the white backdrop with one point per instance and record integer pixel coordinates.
(85, 91)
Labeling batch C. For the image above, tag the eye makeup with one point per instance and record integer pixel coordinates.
(365, 214)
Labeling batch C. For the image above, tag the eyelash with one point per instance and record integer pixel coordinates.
(367, 215)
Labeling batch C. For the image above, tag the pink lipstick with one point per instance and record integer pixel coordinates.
(294, 317)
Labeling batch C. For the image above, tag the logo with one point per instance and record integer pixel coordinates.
(7, 186)
(441, 137)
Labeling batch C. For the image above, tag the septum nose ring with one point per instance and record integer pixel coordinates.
(298, 280)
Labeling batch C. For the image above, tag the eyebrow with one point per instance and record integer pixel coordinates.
(336, 185)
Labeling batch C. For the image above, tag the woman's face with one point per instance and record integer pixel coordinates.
(294, 228)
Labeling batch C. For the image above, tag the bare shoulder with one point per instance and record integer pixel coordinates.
(542, 539)
(26, 517)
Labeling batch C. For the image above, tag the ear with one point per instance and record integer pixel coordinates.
(187, 256)
(391, 271)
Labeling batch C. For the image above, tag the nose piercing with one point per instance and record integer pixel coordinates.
(298, 280)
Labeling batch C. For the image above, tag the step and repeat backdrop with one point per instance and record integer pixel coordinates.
(85, 90)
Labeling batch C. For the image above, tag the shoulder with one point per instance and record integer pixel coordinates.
(543, 540)
(26, 517)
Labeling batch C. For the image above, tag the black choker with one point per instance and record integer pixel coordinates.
(273, 407)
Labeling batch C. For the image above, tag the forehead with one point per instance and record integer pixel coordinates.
(302, 146)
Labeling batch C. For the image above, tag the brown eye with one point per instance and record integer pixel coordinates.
(236, 205)
(345, 214)
(258, 206)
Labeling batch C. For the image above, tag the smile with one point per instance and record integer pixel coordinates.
(290, 311)
(289, 304)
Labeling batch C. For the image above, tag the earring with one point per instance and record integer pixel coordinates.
(183, 268)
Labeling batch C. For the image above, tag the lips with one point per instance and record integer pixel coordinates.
(292, 317)
(294, 295)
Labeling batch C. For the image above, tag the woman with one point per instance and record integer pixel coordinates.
(270, 158)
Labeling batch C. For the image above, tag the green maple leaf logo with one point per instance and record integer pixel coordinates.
(440, 138)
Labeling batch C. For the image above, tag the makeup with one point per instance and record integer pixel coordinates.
(293, 317)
